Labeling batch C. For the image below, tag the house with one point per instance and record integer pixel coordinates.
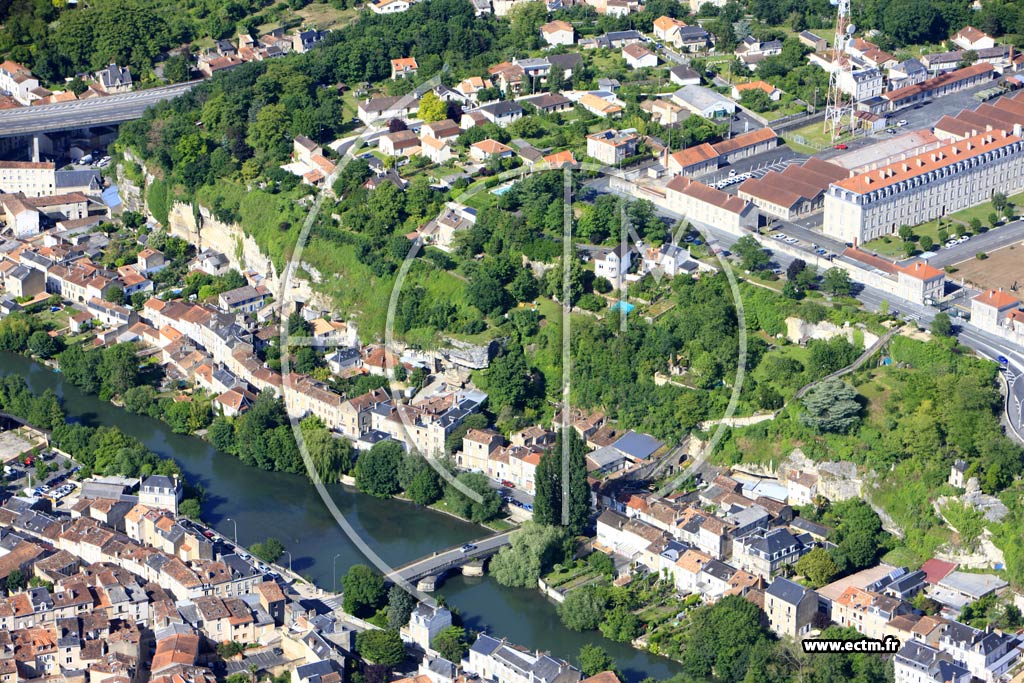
(666, 112)
(486, 149)
(637, 56)
(389, 6)
(211, 63)
(384, 108)
(606, 105)
(160, 492)
(704, 102)
(612, 146)
(751, 46)
(548, 103)
(20, 218)
(691, 38)
(304, 41)
(774, 94)
(438, 151)
(558, 33)
(445, 130)
(426, 622)
(970, 38)
(665, 28)
(400, 143)
(470, 87)
(671, 260)
(560, 159)
(403, 67)
(790, 607)
(867, 611)
(990, 309)
(245, 299)
(683, 75)
(693, 162)
(114, 79)
(500, 662)
(23, 282)
(150, 261)
(908, 72)
(211, 262)
(813, 41)
(613, 264)
(501, 113)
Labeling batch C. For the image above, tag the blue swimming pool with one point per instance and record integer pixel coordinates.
(623, 306)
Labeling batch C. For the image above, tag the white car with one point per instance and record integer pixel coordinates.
(902, 122)
(732, 173)
(963, 238)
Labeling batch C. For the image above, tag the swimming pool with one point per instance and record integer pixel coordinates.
(623, 306)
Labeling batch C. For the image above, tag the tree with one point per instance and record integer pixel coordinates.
(432, 108)
(858, 534)
(941, 325)
(837, 282)
(752, 254)
(383, 647)
(15, 581)
(462, 505)
(177, 69)
(906, 233)
(911, 21)
(547, 500)
(817, 566)
(620, 624)
(583, 608)
(534, 549)
(119, 368)
(363, 591)
(831, 406)
(795, 267)
(377, 469)
(593, 660)
(400, 607)
(508, 378)
(756, 99)
(190, 508)
(999, 203)
(451, 644)
(720, 638)
(41, 344)
(927, 243)
(269, 550)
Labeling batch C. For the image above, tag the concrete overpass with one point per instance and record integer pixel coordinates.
(428, 571)
(98, 111)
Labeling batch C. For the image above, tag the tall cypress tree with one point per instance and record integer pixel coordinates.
(579, 492)
(547, 501)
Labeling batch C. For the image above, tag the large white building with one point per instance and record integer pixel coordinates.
(31, 178)
(926, 186)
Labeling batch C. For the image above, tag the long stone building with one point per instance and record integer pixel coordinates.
(926, 186)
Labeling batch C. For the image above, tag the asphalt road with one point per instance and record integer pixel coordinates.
(98, 111)
(440, 561)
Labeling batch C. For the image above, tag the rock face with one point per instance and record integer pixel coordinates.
(798, 330)
(836, 480)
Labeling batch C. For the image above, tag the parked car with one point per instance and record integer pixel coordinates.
(841, 145)
(902, 122)
(507, 484)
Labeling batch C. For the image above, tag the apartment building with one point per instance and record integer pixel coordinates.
(926, 186)
(31, 178)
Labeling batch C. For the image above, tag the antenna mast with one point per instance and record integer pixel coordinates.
(835, 109)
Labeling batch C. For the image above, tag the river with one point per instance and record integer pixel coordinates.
(287, 507)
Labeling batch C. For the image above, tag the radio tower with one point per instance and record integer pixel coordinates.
(835, 109)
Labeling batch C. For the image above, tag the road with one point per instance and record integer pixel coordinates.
(439, 562)
(98, 111)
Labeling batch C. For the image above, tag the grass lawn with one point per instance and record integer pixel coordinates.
(811, 137)
(323, 16)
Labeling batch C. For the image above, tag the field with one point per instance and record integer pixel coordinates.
(1001, 269)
